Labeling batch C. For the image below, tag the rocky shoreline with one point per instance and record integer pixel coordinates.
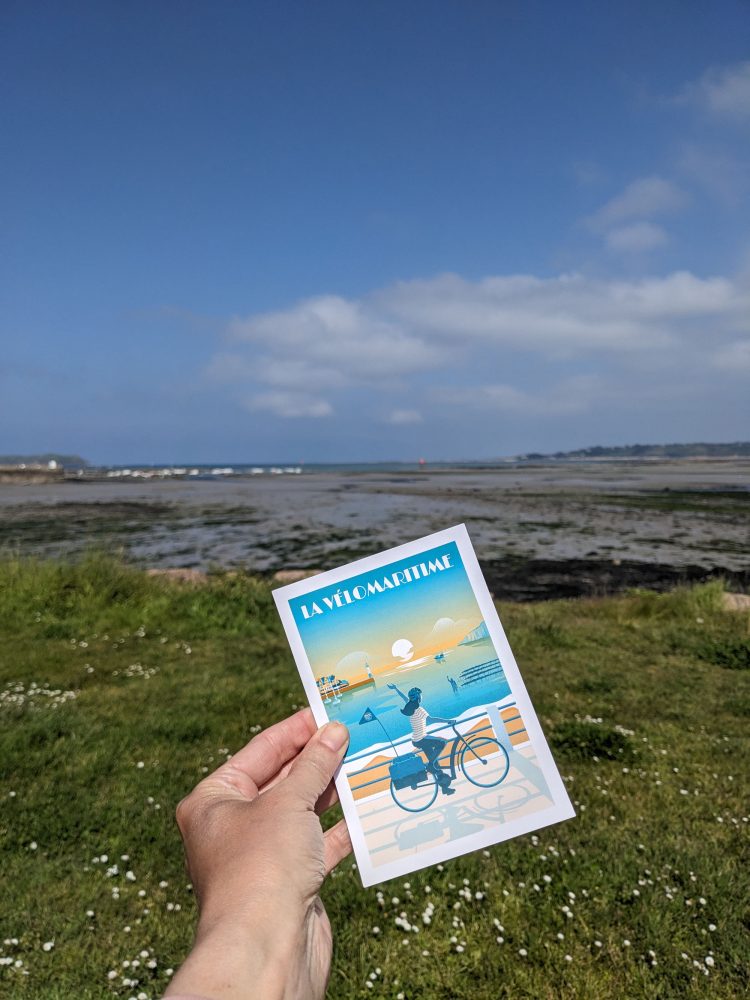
(528, 581)
(543, 580)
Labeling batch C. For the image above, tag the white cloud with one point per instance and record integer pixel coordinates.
(441, 625)
(404, 417)
(636, 237)
(298, 373)
(565, 316)
(641, 199)
(571, 395)
(723, 92)
(722, 174)
(448, 631)
(328, 327)
(734, 357)
(289, 404)
(386, 352)
(353, 663)
(279, 372)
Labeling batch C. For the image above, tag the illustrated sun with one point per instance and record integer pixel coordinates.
(403, 649)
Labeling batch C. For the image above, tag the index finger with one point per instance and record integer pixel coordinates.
(264, 756)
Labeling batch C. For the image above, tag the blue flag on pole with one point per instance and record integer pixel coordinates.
(369, 716)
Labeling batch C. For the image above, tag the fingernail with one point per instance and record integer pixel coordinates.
(334, 735)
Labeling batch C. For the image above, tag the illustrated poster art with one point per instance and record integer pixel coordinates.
(446, 753)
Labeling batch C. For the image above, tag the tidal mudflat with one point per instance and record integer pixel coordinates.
(540, 531)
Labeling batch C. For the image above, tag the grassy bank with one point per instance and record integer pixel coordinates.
(118, 691)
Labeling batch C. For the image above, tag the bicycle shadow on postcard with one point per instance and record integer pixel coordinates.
(391, 832)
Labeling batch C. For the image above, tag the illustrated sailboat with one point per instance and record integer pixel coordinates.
(330, 694)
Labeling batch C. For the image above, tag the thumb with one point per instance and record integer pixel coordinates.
(313, 769)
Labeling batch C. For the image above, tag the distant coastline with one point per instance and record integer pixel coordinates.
(699, 449)
(54, 467)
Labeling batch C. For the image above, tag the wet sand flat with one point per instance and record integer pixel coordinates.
(537, 529)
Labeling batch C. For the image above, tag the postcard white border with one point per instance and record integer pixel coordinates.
(561, 808)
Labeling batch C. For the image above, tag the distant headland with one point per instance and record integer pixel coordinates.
(46, 468)
(50, 458)
(699, 449)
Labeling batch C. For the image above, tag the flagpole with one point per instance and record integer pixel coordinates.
(377, 719)
(370, 716)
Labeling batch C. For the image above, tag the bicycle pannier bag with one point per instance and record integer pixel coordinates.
(407, 770)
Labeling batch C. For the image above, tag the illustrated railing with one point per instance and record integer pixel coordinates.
(472, 675)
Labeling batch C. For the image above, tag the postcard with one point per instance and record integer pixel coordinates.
(446, 753)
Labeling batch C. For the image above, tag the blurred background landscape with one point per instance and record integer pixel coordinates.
(543, 526)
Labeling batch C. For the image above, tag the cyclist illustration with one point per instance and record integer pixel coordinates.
(431, 746)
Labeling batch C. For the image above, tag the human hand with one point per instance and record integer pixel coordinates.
(392, 687)
(257, 857)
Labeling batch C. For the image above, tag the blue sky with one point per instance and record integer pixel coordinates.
(334, 231)
(432, 611)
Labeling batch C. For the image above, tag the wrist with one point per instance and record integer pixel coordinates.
(234, 959)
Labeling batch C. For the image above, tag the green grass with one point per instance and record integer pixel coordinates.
(645, 700)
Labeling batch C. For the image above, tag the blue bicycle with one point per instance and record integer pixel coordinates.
(482, 760)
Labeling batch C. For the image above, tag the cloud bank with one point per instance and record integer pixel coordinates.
(455, 343)
(625, 221)
(419, 359)
(722, 92)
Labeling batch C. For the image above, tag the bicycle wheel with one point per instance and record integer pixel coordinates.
(484, 761)
(418, 797)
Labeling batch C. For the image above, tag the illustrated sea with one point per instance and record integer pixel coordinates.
(438, 696)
